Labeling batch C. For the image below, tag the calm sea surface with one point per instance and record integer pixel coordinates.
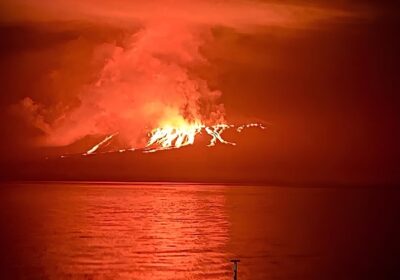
(114, 231)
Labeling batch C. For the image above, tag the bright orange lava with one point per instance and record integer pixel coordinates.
(179, 135)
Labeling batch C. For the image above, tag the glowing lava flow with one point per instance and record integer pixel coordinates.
(97, 146)
(215, 132)
(171, 137)
(174, 137)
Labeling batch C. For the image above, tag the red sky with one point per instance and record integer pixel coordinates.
(322, 75)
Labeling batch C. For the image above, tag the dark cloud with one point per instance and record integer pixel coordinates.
(234, 13)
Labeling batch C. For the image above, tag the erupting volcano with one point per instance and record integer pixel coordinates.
(145, 88)
(145, 96)
(169, 137)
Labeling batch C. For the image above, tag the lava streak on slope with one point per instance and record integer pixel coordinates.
(173, 137)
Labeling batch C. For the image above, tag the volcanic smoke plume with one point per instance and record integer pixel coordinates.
(143, 84)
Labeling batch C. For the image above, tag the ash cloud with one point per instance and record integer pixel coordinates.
(144, 80)
(142, 85)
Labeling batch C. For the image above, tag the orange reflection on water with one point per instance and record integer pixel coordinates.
(139, 232)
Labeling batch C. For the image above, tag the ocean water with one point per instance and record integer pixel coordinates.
(183, 231)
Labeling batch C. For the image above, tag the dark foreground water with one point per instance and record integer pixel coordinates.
(111, 231)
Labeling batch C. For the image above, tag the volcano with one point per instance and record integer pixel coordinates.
(198, 162)
(166, 138)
